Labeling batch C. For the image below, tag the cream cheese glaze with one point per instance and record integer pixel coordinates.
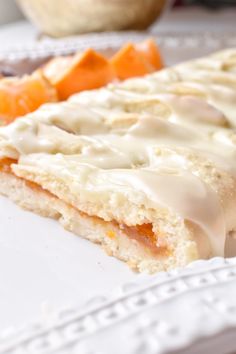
(138, 145)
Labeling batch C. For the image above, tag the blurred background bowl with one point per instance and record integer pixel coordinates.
(9, 12)
(60, 18)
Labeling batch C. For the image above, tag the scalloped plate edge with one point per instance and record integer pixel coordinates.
(210, 285)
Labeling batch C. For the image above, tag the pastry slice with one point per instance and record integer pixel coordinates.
(150, 178)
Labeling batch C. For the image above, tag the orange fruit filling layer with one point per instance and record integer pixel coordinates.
(144, 233)
(5, 165)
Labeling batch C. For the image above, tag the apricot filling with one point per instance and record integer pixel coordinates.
(5, 165)
(143, 234)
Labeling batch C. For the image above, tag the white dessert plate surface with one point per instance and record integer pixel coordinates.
(43, 268)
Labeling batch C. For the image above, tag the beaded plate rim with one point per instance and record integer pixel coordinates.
(68, 329)
(102, 41)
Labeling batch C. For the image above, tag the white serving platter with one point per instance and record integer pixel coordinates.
(43, 268)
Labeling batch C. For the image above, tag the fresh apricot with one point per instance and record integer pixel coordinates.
(151, 53)
(19, 96)
(85, 71)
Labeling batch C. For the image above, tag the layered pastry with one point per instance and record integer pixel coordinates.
(146, 168)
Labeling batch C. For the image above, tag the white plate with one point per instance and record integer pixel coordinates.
(188, 311)
(42, 267)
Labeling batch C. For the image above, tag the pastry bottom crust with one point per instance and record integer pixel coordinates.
(113, 239)
(116, 241)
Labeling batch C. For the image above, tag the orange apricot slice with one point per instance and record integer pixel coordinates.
(19, 96)
(137, 59)
(151, 53)
(85, 71)
(128, 62)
